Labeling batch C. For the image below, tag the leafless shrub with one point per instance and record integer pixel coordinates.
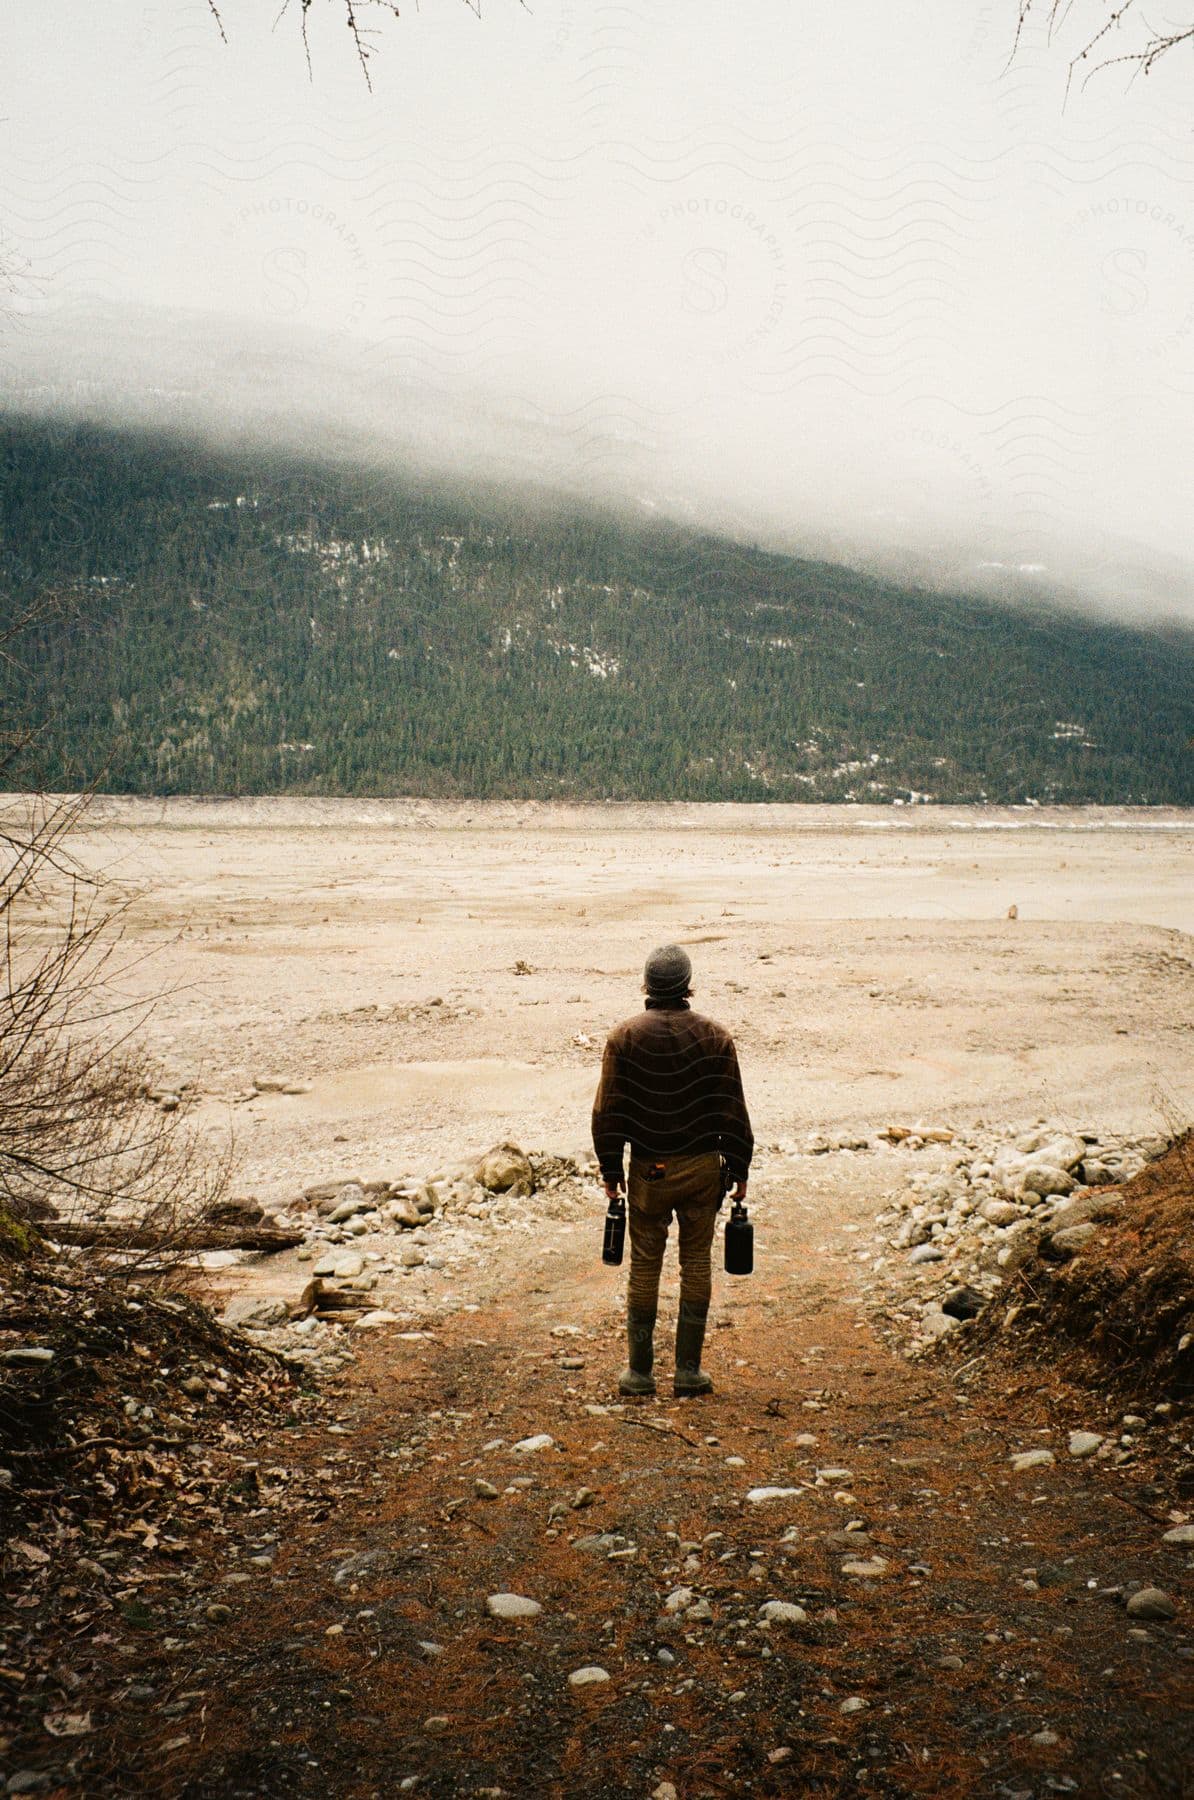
(79, 1141)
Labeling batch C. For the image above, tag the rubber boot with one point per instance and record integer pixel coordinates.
(690, 1378)
(640, 1338)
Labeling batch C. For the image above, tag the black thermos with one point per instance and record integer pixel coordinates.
(614, 1241)
(740, 1241)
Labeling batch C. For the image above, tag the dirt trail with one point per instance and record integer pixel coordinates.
(980, 1657)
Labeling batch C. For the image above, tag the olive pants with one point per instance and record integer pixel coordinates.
(691, 1188)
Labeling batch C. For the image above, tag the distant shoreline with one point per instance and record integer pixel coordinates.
(309, 812)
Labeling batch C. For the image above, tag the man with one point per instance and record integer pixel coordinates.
(670, 1088)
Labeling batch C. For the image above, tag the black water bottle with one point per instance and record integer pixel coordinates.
(614, 1242)
(740, 1241)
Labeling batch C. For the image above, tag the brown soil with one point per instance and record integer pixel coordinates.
(1120, 1313)
(316, 1683)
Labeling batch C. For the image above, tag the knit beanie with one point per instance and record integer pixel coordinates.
(668, 973)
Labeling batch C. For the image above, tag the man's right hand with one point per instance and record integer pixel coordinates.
(613, 1190)
(738, 1192)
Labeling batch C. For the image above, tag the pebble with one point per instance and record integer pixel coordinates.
(1151, 1603)
(31, 1354)
(872, 1566)
(757, 1496)
(782, 1612)
(1046, 1737)
(1084, 1443)
(1181, 1534)
(665, 1791)
(678, 1600)
(411, 1257)
(484, 1490)
(528, 1445)
(855, 1704)
(217, 1612)
(927, 1253)
(436, 1725)
(1031, 1459)
(512, 1606)
(589, 1676)
(346, 1268)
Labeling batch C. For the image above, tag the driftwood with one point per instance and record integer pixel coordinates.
(186, 1238)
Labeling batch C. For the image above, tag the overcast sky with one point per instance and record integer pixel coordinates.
(831, 270)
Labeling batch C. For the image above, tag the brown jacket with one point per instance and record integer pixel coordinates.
(670, 1086)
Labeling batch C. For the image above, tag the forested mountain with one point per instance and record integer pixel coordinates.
(242, 622)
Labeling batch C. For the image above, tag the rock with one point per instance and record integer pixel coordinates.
(1151, 1603)
(195, 1386)
(512, 1606)
(700, 1612)
(665, 1791)
(927, 1253)
(1080, 1209)
(528, 1445)
(999, 1212)
(505, 1170)
(1095, 1173)
(31, 1356)
(436, 1725)
(854, 1704)
(484, 1490)
(347, 1209)
(782, 1612)
(679, 1600)
(326, 1264)
(1031, 1459)
(1061, 1152)
(758, 1496)
(218, 1613)
(1019, 1245)
(590, 1676)
(411, 1257)
(271, 1084)
(866, 1569)
(1084, 1443)
(1046, 1737)
(244, 1310)
(937, 1322)
(404, 1213)
(1040, 1178)
(841, 1476)
(373, 1321)
(347, 1267)
(30, 1781)
(963, 1303)
(1070, 1240)
(1181, 1534)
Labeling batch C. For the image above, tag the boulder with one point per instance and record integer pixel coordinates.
(505, 1170)
(1046, 1179)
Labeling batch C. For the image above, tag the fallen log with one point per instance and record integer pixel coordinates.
(184, 1239)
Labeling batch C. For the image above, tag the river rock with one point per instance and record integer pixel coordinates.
(590, 1676)
(1044, 1179)
(505, 1170)
(1084, 1443)
(1151, 1603)
(782, 1612)
(1031, 1459)
(1069, 1240)
(927, 1253)
(512, 1606)
(999, 1212)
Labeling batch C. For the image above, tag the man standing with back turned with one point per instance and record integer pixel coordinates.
(671, 1088)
